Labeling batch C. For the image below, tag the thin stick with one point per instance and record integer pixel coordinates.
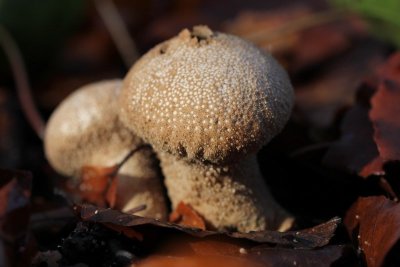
(130, 154)
(118, 31)
(114, 173)
(136, 209)
(24, 91)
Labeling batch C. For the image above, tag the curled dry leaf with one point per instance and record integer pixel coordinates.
(317, 236)
(374, 224)
(356, 151)
(16, 245)
(370, 129)
(187, 216)
(208, 248)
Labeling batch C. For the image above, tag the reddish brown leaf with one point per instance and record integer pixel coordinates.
(97, 185)
(370, 133)
(185, 215)
(218, 247)
(224, 253)
(269, 256)
(16, 245)
(196, 261)
(112, 192)
(310, 238)
(374, 224)
(385, 111)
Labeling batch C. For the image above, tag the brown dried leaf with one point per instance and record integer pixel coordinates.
(97, 185)
(374, 224)
(310, 238)
(371, 128)
(196, 261)
(16, 245)
(356, 151)
(227, 253)
(187, 216)
(385, 111)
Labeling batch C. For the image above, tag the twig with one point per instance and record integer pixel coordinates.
(24, 91)
(118, 31)
(303, 23)
(130, 154)
(114, 173)
(136, 209)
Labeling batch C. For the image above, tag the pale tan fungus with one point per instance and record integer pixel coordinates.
(85, 130)
(224, 194)
(211, 100)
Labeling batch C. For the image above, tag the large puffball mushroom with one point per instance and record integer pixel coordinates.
(85, 130)
(208, 101)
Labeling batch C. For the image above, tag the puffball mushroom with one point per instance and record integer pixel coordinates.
(207, 102)
(85, 130)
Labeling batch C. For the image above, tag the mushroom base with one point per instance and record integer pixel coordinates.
(233, 197)
(139, 183)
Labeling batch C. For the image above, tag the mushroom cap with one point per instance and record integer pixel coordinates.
(85, 130)
(206, 96)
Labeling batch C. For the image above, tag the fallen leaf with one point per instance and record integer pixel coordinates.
(96, 185)
(374, 225)
(356, 151)
(370, 129)
(385, 111)
(187, 216)
(195, 261)
(309, 238)
(224, 253)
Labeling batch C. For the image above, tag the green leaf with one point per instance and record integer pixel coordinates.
(383, 16)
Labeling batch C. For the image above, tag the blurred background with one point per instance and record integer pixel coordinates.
(326, 46)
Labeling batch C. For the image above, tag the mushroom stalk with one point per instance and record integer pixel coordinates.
(229, 197)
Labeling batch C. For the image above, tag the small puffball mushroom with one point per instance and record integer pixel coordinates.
(85, 130)
(208, 101)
